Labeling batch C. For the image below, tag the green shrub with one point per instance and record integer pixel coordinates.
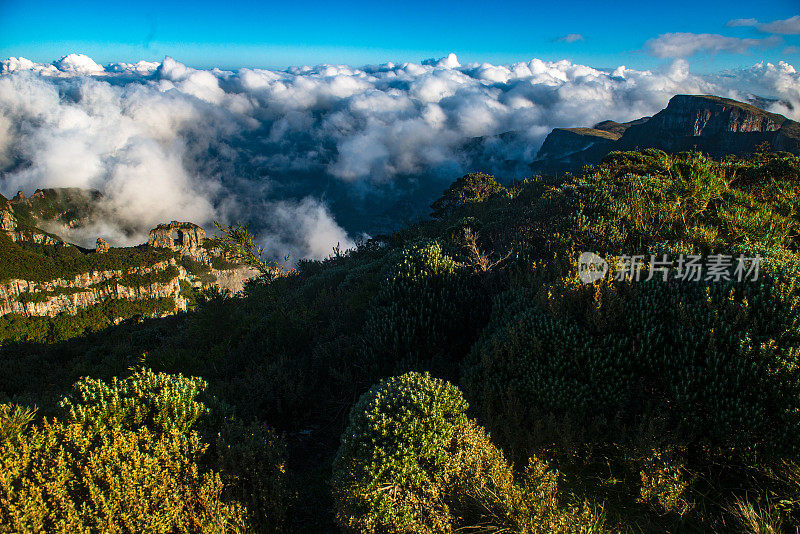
(426, 314)
(159, 401)
(14, 419)
(251, 461)
(719, 360)
(60, 478)
(411, 461)
(470, 188)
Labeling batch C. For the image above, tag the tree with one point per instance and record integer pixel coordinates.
(473, 187)
(237, 241)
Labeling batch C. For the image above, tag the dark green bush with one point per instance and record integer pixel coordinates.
(426, 314)
(470, 188)
(717, 359)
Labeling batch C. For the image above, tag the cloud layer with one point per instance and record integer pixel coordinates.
(311, 156)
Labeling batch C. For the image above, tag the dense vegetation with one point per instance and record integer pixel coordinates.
(456, 376)
(41, 263)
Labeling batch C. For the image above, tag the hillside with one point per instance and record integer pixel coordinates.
(41, 276)
(457, 375)
(717, 126)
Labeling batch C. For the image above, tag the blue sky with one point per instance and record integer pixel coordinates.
(239, 33)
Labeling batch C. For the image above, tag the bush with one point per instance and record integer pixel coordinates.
(411, 461)
(251, 459)
(470, 188)
(717, 360)
(61, 478)
(160, 402)
(426, 314)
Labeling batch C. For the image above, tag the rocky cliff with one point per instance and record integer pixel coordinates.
(68, 295)
(715, 125)
(54, 277)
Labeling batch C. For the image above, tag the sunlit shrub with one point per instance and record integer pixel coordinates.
(61, 478)
(159, 401)
(411, 461)
(427, 312)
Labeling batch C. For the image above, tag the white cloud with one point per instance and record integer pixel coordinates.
(736, 23)
(78, 64)
(303, 229)
(682, 45)
(790, 26)
(571, 38)
(311, 155)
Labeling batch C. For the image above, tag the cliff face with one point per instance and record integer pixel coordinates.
(566, 149)
(132, 274)
(10, 226)
(715, 125)
(718, 126)
(28, 298)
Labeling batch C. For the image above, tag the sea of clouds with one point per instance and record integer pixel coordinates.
(310, 156)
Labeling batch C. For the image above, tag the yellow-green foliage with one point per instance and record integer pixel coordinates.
(159, 401)
(14, 419)
(411, 461)
(60, 478)
(140, 464)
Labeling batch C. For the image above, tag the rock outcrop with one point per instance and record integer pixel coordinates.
(182, 237)
(61, 295)
(191, 266)
(8, 223)
(11, 227)
(711, 124)
(717, 126)
(102, 246)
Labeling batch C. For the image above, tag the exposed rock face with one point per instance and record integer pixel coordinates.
(717, 126)
(572, 148)
(566, 149)
(16, 232)
(233, 280)
(86, 289)
(8, 223)
(183, 237)
(157, 281)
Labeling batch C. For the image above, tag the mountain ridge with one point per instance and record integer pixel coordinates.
(715, 125)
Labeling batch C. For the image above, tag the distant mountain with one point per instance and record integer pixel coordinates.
(714, 125)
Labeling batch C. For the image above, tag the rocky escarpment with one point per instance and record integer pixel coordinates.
(29, 298)
(714, 125)
(17, 231)
(182, 237)
(178, 259)
(717, 126)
